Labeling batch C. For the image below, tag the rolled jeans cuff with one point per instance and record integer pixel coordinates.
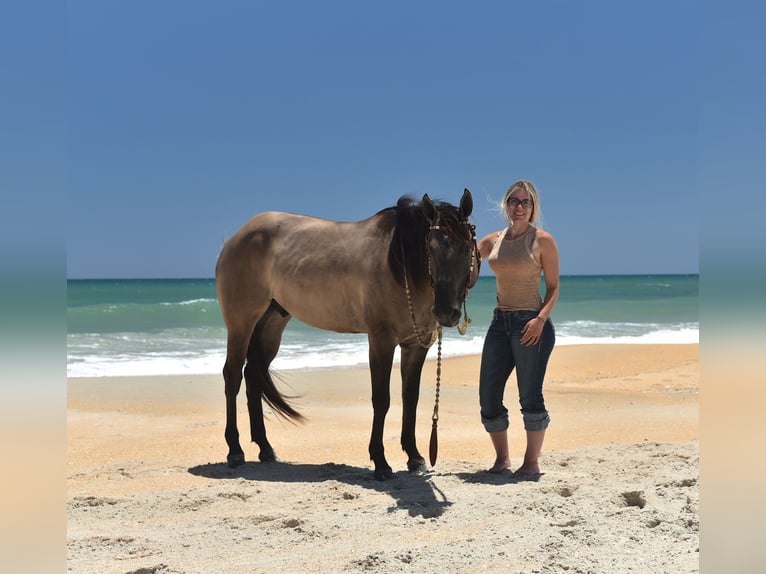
(536, 421)
(497, 424)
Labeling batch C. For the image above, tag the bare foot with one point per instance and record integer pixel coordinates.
(527, 470)
(500, 467)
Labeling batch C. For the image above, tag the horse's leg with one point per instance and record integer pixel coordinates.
(263, 347)
(236, 349)
(411, 368)
(381, 359)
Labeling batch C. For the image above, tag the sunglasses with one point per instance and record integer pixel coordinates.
(525, 203)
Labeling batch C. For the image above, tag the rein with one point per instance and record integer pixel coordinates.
(433, 445)
(425, 345)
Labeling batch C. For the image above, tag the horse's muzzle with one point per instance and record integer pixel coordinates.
(446, 317)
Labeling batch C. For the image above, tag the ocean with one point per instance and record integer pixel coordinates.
(174, 326)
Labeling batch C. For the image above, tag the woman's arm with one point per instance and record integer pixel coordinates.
(549, 257)
(486, 244)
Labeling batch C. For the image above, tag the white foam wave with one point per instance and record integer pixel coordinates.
(189, 302)
(660, 337)
(92, 362)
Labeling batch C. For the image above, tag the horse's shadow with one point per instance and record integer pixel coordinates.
(413, 492)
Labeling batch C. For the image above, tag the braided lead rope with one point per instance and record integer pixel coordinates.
(435, 416)
(433, 446)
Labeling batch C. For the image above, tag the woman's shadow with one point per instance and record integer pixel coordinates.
(413, 492)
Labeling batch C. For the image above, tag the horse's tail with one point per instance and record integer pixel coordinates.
(278, 402)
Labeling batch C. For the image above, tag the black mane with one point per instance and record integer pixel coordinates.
(410, 237)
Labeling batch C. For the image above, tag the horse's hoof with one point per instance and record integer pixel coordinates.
(384, 474)
(268, 456)
(417, 466)
(235, 460)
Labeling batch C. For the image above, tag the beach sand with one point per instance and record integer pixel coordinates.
(148, 490)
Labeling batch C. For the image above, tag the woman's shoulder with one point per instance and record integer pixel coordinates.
(487, 242)
(544, 236)
(546, 243)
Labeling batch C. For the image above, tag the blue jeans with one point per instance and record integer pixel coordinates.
(502, 353)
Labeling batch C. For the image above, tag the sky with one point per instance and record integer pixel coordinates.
(184, 119)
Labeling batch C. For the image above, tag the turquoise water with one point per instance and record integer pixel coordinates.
(174, 326)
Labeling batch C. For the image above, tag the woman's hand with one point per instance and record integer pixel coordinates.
(532, 331)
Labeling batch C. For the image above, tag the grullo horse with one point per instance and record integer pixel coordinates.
(396, 276)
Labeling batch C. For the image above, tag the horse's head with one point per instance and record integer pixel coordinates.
(453, 259)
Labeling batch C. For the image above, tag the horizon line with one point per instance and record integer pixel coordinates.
(212, 278)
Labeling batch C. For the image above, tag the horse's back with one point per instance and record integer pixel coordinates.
(323, 272)
(286, 238)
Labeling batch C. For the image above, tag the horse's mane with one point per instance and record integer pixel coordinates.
(409, 237)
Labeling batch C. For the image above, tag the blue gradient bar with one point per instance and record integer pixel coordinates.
(33, 287)
(732, 285)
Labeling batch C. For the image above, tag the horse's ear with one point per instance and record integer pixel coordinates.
(428, 208)
(466, 203)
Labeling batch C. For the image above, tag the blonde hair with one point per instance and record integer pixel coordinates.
(536, 216)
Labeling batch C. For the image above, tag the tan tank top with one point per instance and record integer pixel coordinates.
(517, 272)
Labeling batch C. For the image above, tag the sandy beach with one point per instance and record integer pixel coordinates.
(148, 490)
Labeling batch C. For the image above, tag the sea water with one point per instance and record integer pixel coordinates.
(174, 326)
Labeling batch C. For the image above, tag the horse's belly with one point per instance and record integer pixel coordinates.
(329, 307)
(341, 320)
(344, 301)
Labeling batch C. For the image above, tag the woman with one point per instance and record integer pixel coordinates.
(521, 335)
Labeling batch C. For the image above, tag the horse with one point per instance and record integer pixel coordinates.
(396, 276)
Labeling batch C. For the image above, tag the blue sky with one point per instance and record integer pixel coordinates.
(186, 118)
